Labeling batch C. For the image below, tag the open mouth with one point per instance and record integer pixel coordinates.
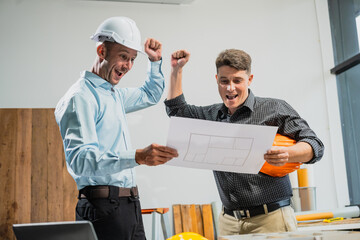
(119, 73)
(231, 97)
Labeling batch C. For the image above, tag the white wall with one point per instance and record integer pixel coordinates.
(45, 45)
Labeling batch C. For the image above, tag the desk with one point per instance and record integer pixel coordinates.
(310, 231)
(346, 224)
(311, 235)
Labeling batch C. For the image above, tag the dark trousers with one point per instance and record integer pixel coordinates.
(113, 219)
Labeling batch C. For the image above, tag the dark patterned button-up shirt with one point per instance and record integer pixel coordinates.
(237, 190)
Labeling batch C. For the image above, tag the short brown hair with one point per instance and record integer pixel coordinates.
(235, 58)
(108, 45)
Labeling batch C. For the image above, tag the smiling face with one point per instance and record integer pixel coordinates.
(115, 61)
(233, 86)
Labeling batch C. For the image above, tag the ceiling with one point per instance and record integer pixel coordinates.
(176, 2)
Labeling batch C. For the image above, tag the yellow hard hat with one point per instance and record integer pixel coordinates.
(187, 236)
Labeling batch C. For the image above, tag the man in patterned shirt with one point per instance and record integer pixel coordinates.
(252, 203)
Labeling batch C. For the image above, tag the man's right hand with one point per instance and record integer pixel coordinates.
(153, 49)
(155, 155)
(178, 61)
(179, 58)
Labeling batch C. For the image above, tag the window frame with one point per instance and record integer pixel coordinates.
(342, 14)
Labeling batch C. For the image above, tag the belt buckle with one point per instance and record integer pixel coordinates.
(134, 193)
(241, 214)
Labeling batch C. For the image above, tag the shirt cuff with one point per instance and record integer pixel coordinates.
(127, 159)
(317, 149)
(155, 67)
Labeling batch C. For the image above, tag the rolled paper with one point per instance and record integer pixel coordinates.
(314, 216)
(303, 179)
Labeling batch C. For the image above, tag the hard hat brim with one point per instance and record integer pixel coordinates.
(113, 38)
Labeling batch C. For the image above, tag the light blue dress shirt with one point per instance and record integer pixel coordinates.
(93, 126)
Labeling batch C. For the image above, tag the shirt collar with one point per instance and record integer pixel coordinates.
(96, 80)
(249, 103)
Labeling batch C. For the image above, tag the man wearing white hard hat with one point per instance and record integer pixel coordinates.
(91, 118)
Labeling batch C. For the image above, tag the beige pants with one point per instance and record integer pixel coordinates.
(281, 220)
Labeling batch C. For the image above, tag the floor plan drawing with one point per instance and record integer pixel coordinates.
(220, 150)
(219, 146)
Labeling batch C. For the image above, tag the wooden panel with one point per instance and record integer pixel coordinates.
(8, 205)
(23, 166)
(208, 221)
(35, 185)
(177, 219)
(199, 220)
(39, 166)
(185, 218)
(70, 193)
(55, 178)
(193, 219)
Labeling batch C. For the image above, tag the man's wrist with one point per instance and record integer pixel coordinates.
(176, 70)
(138, 158)
(155, 59)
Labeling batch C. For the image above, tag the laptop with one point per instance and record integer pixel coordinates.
(79, 230)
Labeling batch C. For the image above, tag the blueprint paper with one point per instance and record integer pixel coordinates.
(229, 147)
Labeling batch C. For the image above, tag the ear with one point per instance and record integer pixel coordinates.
(250, 79)
(216, 77)
(101, 51)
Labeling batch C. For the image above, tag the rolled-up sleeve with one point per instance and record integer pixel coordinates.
(291, 124)
(147, 95)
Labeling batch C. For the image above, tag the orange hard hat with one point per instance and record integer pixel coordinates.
(289, 167)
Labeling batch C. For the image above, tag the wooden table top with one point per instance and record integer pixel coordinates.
(346, 224)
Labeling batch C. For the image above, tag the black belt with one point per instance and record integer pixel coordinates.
(91, 192)
(254, 211)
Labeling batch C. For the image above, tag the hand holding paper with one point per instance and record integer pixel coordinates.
(219, 146)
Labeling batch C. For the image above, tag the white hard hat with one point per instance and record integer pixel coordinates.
(122, 30)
